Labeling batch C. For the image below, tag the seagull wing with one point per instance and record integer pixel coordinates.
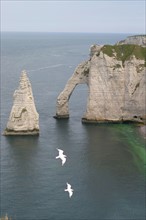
(63, 160)
(60, 151)
(68, 186)
(70, 193)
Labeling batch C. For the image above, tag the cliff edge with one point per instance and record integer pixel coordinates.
(116, 79)
(136, 39)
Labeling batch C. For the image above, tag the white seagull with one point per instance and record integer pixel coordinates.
(61, 156)
(69, 190)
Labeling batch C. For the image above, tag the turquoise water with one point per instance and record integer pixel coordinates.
(136, 143)
(108, 182)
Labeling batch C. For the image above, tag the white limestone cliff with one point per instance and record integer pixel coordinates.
(23, 119)
(116, 88)
(116, 92)
(136, 39)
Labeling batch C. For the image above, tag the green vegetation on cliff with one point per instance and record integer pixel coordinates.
(125, 51)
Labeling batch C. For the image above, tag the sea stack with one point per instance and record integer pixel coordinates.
(23, 119)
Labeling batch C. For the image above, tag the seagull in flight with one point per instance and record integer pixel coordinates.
(69, 190)
(61, 156)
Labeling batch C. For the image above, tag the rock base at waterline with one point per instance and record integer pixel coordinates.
(12, 133)
(61, 116)
(88, 121)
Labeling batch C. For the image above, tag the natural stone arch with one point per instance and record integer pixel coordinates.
(80, 76)
(78, 101)
(116, 85)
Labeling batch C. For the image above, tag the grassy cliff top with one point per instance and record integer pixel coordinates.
(125, 51)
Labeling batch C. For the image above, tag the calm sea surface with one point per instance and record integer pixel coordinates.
(101, 165)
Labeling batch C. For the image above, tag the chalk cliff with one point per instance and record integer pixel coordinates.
(116, 79)
(136, 39)
(23, 119)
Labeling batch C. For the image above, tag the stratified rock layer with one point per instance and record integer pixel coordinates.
(116, 78)
(23, 119)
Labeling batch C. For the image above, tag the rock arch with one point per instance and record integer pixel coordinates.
(116, 87)
(80, 76)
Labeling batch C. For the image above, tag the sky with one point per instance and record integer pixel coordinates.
(111, 16)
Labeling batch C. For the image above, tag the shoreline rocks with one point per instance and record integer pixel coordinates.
(23, 119)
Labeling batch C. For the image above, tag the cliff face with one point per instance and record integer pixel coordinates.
(137, 39)
(23, 119)
(116, 92)
(116, 78)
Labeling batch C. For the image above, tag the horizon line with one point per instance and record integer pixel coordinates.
(72, 32)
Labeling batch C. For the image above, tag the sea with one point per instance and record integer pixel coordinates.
(103, 164)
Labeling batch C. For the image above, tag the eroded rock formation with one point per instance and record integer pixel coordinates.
(116, 78)
(80, 76)
(23, 119)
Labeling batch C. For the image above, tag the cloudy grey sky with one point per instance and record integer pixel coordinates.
(115, 16)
